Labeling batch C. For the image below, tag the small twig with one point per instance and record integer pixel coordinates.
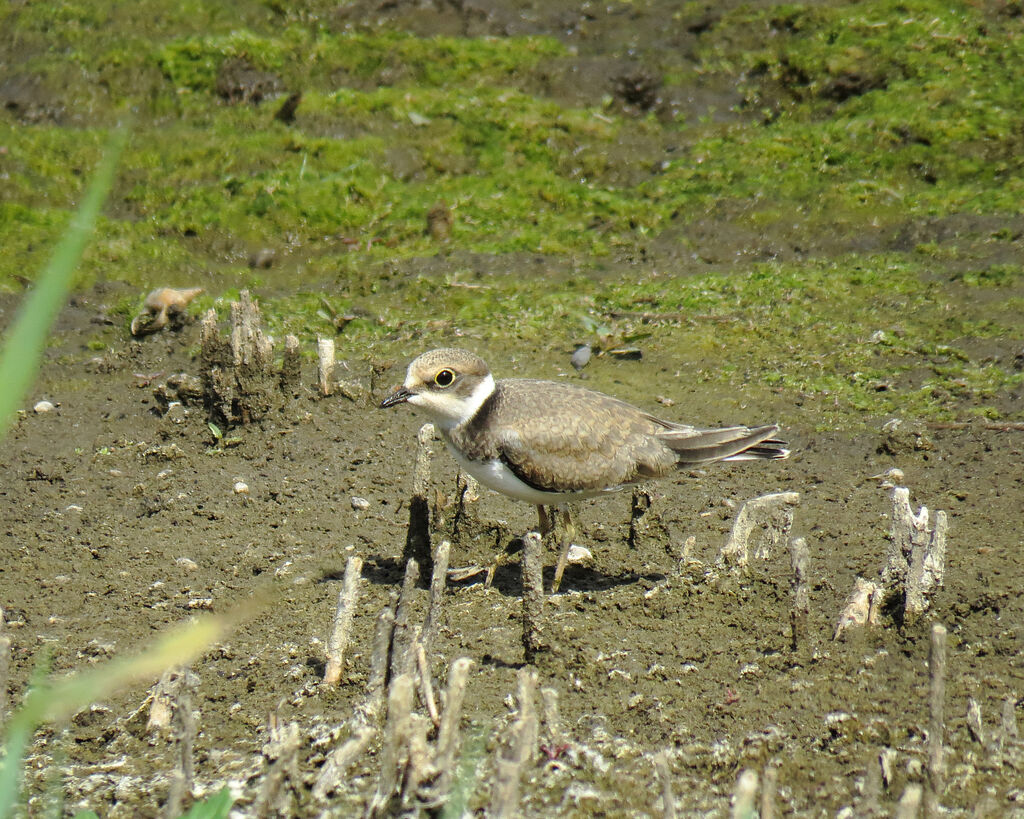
(937, 673)
(325, 365)
(668, 800)
(5, 670)
(744, 794)
(533, 595)
(348, 598)
(508, 771)
(426, 685)
(420, 766)
(1008, 722)
(330, 776)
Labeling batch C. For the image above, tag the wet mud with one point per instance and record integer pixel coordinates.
(119, 521)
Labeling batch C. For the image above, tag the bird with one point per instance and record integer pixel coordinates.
(550, 443)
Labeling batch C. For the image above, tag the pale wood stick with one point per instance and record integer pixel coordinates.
(552, 717)
(348, 598)
(526, 692)
(283, 748)
(291, 365)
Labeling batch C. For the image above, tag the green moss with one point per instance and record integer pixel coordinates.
(857, 119)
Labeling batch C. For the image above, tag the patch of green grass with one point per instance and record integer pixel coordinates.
(857, 118)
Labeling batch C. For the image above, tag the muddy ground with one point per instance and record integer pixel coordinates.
(118, 522)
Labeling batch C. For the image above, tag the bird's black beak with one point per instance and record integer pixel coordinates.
(399, 396)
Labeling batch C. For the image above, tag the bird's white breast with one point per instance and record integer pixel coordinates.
(494, 474)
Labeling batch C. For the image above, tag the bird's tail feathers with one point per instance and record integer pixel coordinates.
(700, 446)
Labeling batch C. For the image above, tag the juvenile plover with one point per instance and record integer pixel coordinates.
(550, 443)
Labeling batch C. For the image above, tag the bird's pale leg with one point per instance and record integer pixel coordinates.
(566, 533)
(545, 520)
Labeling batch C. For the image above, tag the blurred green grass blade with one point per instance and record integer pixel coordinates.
(217, 806)
(26, 338)
(59, 700)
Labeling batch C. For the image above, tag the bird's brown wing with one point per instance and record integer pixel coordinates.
(576, 439)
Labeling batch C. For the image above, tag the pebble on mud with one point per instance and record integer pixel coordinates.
(187, 564)
(241, 488)
(43, 407)
(360, 504)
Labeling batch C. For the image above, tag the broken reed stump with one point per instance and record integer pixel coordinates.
(438, 581)
(240, 384)
(417, 539)
(181, 685)
(325, 366)
(281, 753)
(914, 568)
(916, 559)
(348, 598)
(403, 653)
(533, 595)
(639, 507)
(291, 366)
(5, 669)
(798, 614)
(937, 701)
(664, 774)
(744, 795)
(517, 751)
(395, 749)
(448, 736)
(771, 513)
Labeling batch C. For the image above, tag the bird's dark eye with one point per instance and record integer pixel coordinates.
(444, 378)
